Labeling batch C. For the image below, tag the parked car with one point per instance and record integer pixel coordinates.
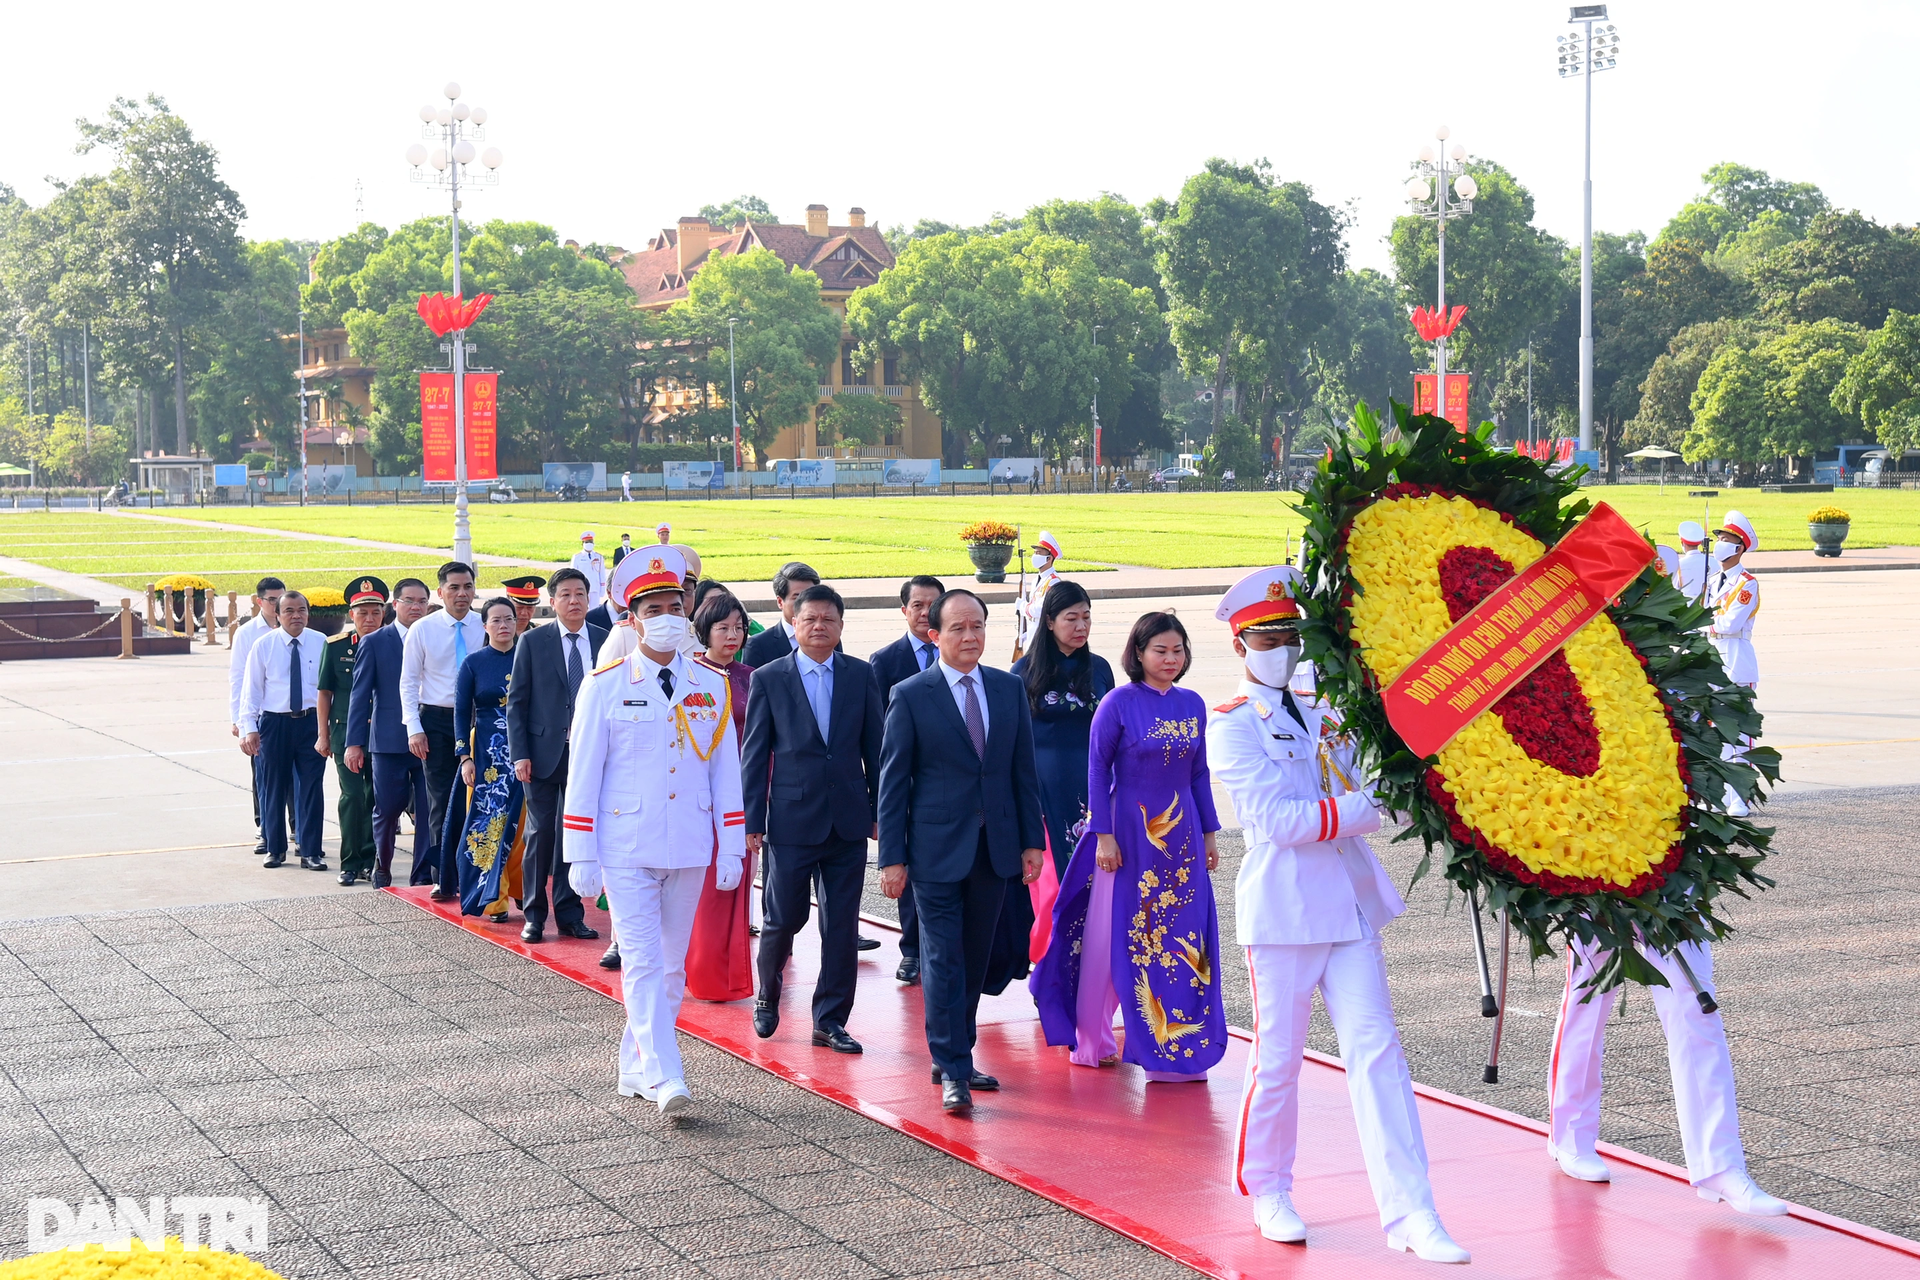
(1168, 475)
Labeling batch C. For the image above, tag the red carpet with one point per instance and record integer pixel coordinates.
(1152, 1161)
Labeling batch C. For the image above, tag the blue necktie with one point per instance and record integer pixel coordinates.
(976, 722)
(926, 655)
(817, 695)
(294, 703)
(459, 644)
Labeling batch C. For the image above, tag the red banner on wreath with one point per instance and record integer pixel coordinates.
(1514, 630)
(436, 428)
(483, 426)
(1458, 385)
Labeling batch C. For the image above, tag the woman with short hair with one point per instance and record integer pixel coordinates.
(1135, 924)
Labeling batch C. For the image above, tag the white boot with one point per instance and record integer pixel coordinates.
(674, 1098)
(1739, 1190)
(1734, 805)
(1422, 1235)
(632, 1088)
(1277, 1220)
(1585, 1168)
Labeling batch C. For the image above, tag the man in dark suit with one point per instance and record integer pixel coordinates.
(377, 739)
(959, 816)
(911, 654)
(548, 665)
(777, 642)
(813, 756)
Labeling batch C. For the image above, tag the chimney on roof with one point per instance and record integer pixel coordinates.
(694, 233)
(817, 221)
(856, 217)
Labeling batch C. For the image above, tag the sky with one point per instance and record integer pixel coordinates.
(616, 119)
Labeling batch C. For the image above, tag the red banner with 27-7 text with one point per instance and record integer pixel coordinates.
(438, 464)
(1504, 637)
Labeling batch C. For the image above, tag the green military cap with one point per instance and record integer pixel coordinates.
(367, 590)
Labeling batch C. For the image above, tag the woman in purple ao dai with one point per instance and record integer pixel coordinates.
(1134, 925)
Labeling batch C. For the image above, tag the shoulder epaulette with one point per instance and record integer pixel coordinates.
(609, 666)
(701, 660)
(1233, 705)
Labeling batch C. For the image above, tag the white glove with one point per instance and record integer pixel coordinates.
(726, 871)
(1358, 816)
(585, 878)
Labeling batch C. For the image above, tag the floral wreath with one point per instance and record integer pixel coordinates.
(1587, 802)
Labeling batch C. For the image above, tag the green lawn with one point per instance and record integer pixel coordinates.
(842, 538)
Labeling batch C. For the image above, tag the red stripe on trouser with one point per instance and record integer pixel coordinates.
(1253, 1082)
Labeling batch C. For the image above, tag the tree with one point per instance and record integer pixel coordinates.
(859, 419)
(738, 210)
(248, 387)
(561, 391)
(172, 226)
(1666, 395)
(1847, 267)
(1882, 384)
(784, 336)
(1233, 448)
(1737, 198)
(1775, 398)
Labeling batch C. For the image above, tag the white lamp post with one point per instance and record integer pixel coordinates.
(456, 127)
(1582, 55)
(1428, 196)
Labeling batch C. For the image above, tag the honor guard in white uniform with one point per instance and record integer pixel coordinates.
(1690, 576)
(594, 565)
(653, 797)
(1046, 553)
(1310, 902)
(1697, 1054)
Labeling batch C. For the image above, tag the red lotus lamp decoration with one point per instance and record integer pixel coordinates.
(444, 314)
(1435, 325)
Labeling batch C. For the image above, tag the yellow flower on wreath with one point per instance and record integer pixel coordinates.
(1614, 825)
(173, 1261)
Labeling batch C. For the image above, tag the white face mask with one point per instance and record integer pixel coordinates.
(1273, 667)
(663, 632)
(1724, 551)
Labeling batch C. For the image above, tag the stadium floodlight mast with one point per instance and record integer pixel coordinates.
(1590, 50)
(1427, 194)
(456, 127)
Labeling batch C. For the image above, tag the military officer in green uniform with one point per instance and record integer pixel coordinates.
(366, 607)
(525, 593)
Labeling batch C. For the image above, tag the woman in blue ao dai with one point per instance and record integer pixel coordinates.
(1135, 926)
(480, 742)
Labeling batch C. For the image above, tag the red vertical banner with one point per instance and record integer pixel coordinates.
(483, 426)
(1458, 388)
(436, 428)
(1096, 448)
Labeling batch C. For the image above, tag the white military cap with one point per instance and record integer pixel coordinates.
(1263, 600)
(646, 571)
(1692, 534)
(1740, 527)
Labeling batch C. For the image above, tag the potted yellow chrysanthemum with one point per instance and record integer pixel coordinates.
(183, 596)
(989, 546)
(1828, 527)
(326, 609)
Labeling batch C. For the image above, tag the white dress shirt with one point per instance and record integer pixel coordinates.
(585, 645)
(925, 652)
(430, 662)
(249, 631)
(268, 668)
(960, 695)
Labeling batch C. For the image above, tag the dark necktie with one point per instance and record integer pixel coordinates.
(1293, 709)
(927, 652)
(666, 682)
(576, 669)
(976, 723)
(293, 677)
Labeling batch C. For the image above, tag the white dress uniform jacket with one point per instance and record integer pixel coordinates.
(594, 565)
(1306, 868)
(1735, 604)
(1691, 578)
(653, 782)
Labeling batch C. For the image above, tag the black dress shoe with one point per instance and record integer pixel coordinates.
(275, 860)
(766, 1019)
(611, 960)
(869, 944)
(533, 933)
(955, 1097)
(579, 931)
(753, 931)
(348, 877)
(909, 970)
(834, 1036)
(260, 850)
(978, 1080)
(443, 895)
(381, 880)
(313, 864)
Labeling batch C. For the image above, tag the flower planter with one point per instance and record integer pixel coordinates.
(326, 621)
(990, 560)
(1827, 538)
(176, 607)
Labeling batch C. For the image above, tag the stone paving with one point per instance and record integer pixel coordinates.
(417, 1103)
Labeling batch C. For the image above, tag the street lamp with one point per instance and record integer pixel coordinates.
(1427, 196)
(1581, 55)
(456, 127)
